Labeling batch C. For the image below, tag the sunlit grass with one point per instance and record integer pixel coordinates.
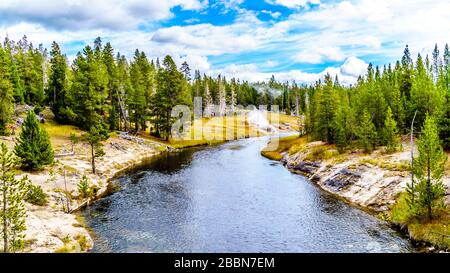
(436, 232)
(276, 119)
(208, 131)
(275, 148)
(60, 134)
(213, 130)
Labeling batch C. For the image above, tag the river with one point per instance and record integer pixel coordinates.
(228, 198)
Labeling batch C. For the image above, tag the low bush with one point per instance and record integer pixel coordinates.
(36, 195)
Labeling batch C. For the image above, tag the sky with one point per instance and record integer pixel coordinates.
(294, 40)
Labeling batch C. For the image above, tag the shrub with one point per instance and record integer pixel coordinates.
(83, 242)
(320, 153)
(83, 187)
(36, 196)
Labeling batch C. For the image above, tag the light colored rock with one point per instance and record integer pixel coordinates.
(48, 226)
(373, 187)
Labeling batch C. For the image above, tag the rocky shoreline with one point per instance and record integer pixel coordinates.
(51, 228)
(369, 182)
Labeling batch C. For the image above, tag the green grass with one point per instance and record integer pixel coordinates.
(385, 164)
(291, 144)
(435, 232)
(60, 134)
(282, 118)
(67, 248)
(83, 242)
(211, 131)
(320, 153)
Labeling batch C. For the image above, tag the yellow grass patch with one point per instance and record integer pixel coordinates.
(275, 148)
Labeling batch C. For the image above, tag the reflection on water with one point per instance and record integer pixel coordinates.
(230, 199)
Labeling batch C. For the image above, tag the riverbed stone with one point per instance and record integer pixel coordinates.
(308, 168)
(342, 179)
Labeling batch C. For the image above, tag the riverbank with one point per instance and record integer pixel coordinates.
(55, 227)
(372, 182)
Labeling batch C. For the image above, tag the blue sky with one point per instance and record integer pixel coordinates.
(297, 40)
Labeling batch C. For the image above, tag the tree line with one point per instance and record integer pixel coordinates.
(103, 91)
(382, 104)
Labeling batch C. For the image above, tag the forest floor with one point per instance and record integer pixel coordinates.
(56, 226)
(374, 182)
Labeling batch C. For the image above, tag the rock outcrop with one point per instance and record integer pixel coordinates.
(370, 181)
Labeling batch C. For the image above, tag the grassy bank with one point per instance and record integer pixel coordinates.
(215, 130)
(435, 233)
(275, 149)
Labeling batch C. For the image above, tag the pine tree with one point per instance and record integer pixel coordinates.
(425, 97)
(186, 70)
(137, 100)
(344, 124)
(390, 133)
(89, 91)
(125, 89)
(6, 94)
(33, 147)
(57, 84)
(447, 67)
(12, 208)
(14, 78)
(429, 169)
(113, 86)
(436, 63)
(342, 140)
(326, 105)
(172, 90)
(32, 75)
(94, 137)
(367, 133)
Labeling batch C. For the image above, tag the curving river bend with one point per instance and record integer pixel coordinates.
(229, 198)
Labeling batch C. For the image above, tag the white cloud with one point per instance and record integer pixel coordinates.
(205, 39)
(88, 14)
(195, 63)
(271, 63)
(274, 15)
(353, 67)
(363, 26)
(293, 3)
(230, 3)
(319, 55)
(330, 32)
(347, 73)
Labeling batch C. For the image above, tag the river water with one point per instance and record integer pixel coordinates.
(229, 198)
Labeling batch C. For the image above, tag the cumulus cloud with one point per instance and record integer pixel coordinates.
(208, 39)
(333, 31)
(319, 55)
(87, 14)
(363, 26)
(353, 67)
(347, 73)
(195, 62)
